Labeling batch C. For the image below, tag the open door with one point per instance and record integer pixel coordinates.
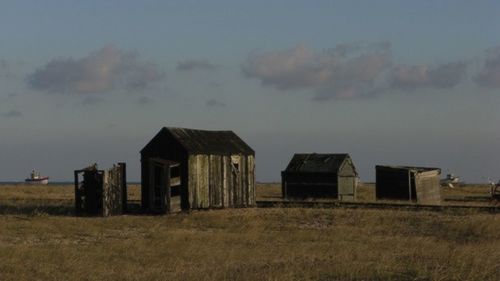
(159, 186)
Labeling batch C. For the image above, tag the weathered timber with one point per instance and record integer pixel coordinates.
(101, 192)
(216, 168)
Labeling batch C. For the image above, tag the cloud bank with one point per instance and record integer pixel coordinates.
(489, 75)
(101, 71)
(411, 77)
(344, 72)
(356, 70)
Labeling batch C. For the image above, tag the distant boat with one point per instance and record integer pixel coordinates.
(35, 178)
(451, 181)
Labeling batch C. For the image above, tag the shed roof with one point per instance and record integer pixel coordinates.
(410, 168)
(314, 162)
(207, 142)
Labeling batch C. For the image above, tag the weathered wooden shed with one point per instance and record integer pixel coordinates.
(101, 192)
(320, 175)
(417, 184)
(207, 169)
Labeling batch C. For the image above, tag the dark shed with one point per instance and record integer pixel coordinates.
(207, 169)
(418, 184)
(320, 175)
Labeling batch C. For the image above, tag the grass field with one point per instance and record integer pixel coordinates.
(40, 239)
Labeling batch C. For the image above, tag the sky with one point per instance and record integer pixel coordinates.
(389, 82)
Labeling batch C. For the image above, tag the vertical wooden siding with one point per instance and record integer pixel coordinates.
(214, 182)
(428, 188)
(216, 190)
(251, 181)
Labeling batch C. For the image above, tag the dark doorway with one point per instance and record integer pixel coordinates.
(165, 186)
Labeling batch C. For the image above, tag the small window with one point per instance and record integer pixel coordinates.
(236, 167)
(235, 162)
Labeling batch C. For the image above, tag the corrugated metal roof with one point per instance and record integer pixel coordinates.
(314, 162)
(210, 142)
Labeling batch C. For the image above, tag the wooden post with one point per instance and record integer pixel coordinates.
(409, 184)
(123, 181)
(151, 191)
(78, 197)
(168, 191)
(106, 183)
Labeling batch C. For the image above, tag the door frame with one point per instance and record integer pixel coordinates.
(165, 191)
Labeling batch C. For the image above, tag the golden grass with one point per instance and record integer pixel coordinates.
(462, 195)
(241, 244)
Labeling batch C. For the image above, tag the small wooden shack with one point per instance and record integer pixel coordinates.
(206, 169)
(101, 192)
(417, 184)
(320, 175)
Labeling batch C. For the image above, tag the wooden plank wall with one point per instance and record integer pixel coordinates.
(251, 181)
(199, 181)
(112, 192)
(227, 182)
(102, 192)
(214, 182)
(347, 181)
(428, 188)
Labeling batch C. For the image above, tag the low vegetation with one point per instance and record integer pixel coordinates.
(41, 239)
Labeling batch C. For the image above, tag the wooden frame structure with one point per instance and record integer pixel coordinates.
(101, 192)
(315, 175)
(201, 169)
(416, 184)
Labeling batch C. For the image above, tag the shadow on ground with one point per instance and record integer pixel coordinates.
(36, 210)
(50, 208)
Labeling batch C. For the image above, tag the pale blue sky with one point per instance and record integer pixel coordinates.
(391, 82)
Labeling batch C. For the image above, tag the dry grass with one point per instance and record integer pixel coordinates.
(464, 195)
(241, 244)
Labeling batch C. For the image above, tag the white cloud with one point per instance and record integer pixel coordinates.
(349, 73)
(100, 71)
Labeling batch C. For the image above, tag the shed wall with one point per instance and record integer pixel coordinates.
(315, 185)
(347, 181)
(216, 181)
(428, 188)
(405, 184)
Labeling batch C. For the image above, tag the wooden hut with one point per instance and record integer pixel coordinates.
(101, 192)
(417, 184)
(206, 169)
(320, 175)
